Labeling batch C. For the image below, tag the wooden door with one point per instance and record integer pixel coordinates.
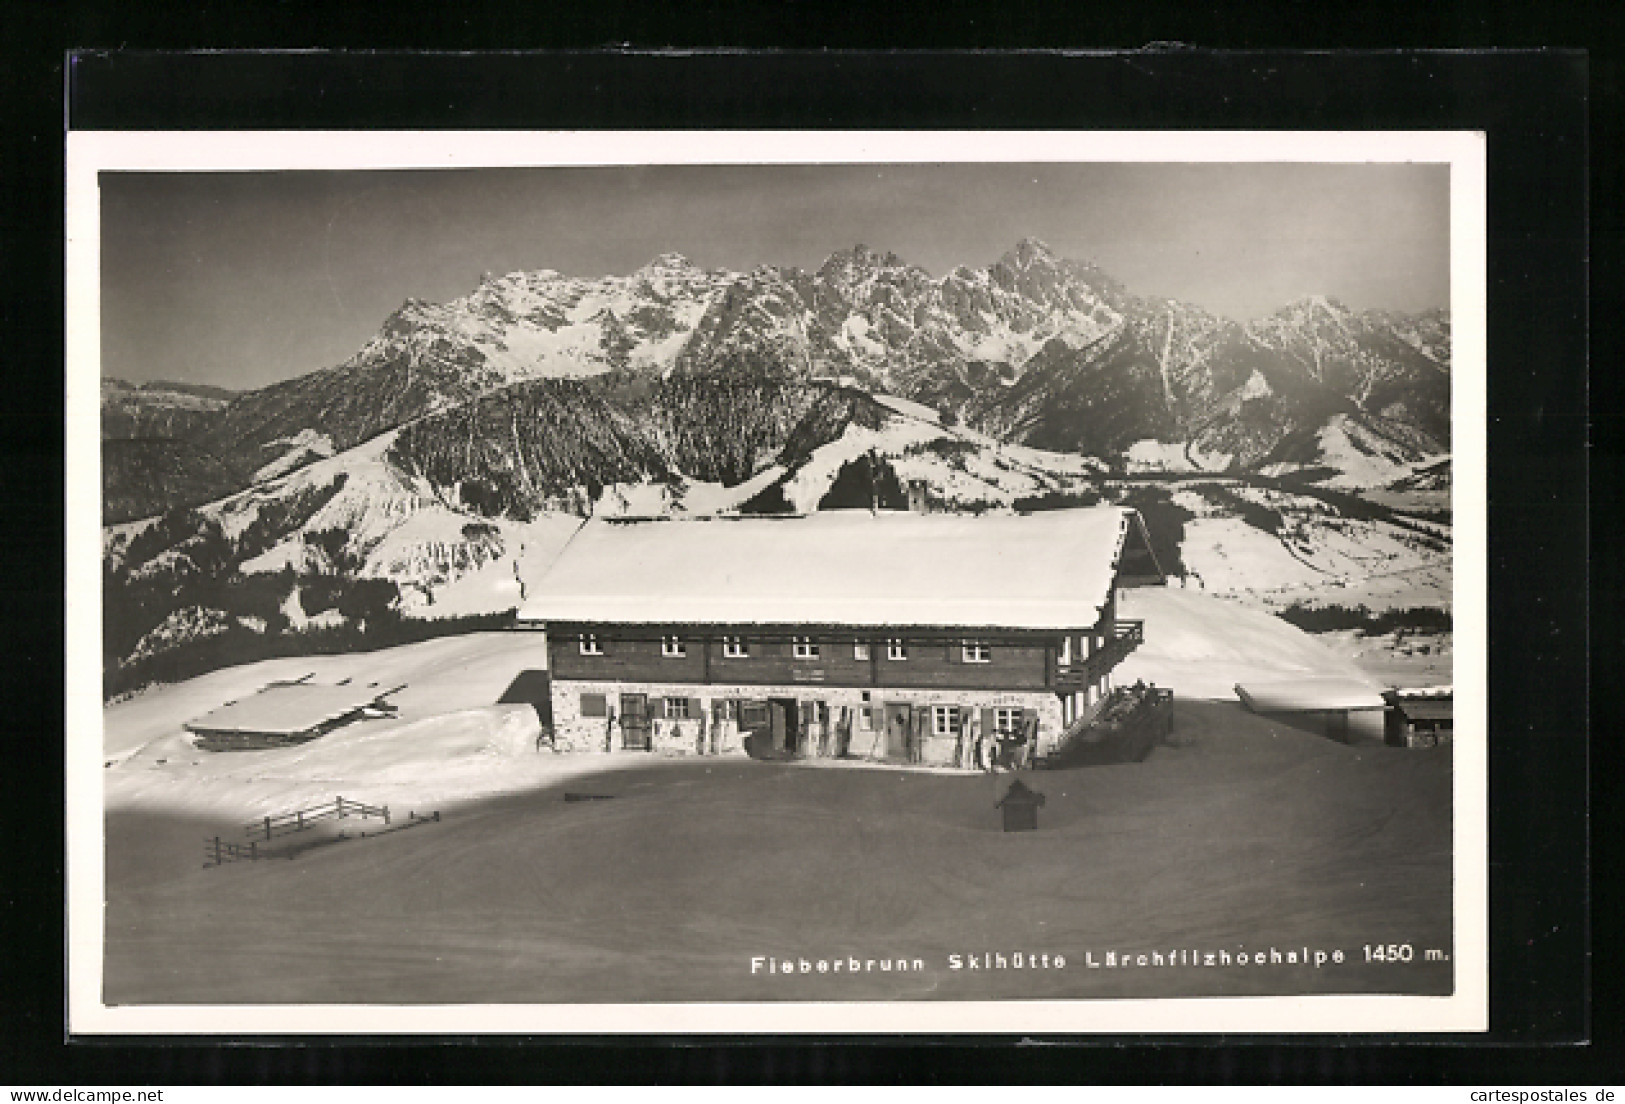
(778, 719)
(898, 719)
(635, 722)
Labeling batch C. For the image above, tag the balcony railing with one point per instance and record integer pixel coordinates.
(1126, 636)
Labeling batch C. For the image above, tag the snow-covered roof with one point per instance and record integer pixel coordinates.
(288, 708)
(1049, 570)
(1307, 695)
(1407, 693)
(1426, 709)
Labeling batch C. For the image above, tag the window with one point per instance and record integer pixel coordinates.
(594, 705)
(976, 651)
(1006, 720)
(672, 647)
(866, 719)
(677, 709)
(860, 651)
(733, 647)
(804, 648)
(590, 645)
(896, 649)
(945, 720)
(1066, 651)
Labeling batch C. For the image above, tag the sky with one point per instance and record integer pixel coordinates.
(243, 279)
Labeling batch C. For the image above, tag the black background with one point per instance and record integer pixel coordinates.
(1534, 107)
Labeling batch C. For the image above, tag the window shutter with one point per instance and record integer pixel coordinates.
(694, 708)
(1029, 722)
(989, 721)
(657, 708)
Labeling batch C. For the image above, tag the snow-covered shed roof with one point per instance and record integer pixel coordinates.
(1423, 703)
(1049, 570)
(1426, 709)
(287, 708)
(1408, 693)
(1308, 695)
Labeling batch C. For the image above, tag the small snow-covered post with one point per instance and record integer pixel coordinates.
(267, 827)
(386, 814)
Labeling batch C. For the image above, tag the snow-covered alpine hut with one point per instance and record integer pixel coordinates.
(1343, 709)
(287, 713)
(887, 635)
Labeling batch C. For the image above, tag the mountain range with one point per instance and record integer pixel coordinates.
(1034, 349)
(462, 440)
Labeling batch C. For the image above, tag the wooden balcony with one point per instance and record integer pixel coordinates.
(1126, 636)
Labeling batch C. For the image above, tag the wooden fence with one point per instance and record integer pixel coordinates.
(282, 824)
(217, 852)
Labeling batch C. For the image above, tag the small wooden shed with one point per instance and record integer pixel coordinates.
(288, 713)
(1422, 716)
(1345, 710)
(1020, 806)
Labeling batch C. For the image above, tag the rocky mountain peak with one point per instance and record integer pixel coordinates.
(408, 316)
(860, 256)
(673, 263)
(1028, 252)
(1311, 305)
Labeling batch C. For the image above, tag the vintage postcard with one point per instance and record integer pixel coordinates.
(776, 582)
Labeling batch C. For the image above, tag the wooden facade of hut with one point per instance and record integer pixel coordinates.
(889, 635)
(1421, 716)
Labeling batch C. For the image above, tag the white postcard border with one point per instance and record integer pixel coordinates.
(92, 152)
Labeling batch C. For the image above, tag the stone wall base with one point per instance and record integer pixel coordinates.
(573, 732)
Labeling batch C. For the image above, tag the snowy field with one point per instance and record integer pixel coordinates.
(1319, 558)
(1242, 833)
(449, 741)
(1397, 659)
(1200, 646)
(1249, 835)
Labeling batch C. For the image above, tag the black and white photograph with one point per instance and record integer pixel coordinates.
(844, 582)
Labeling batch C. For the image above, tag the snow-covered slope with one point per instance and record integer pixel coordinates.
(1275, 549)
(447, 561)
(1356, 453)
(1200, 645)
